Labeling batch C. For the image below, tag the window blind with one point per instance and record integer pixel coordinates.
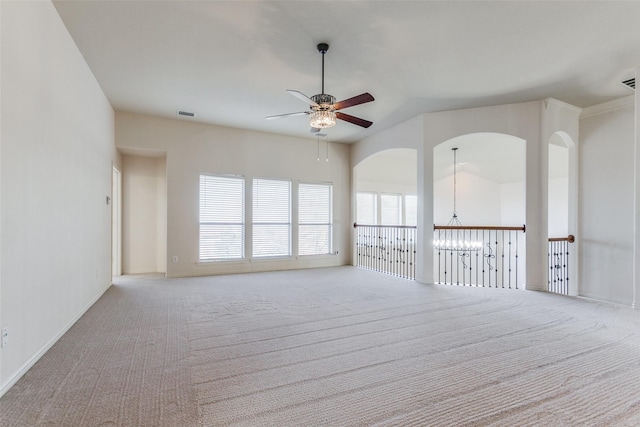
(411, 209)
(315, 212)
(390, 209)
(366, 208)
(221, 217)
(271, 218)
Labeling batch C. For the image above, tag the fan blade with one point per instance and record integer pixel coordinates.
(356, 100)
(301, 96)
(355, 120)
(279, 116)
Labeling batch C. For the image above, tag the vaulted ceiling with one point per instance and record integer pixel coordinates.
(230, 62)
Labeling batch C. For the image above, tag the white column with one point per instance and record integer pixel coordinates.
(424, 235)
(536, 207)
(636, 214)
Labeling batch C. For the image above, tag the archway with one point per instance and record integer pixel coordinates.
(487, 190)
(386, 212)
(561, 216)
(558, 190)
(386, 188)
(490, 179)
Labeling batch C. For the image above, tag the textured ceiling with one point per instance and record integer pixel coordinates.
(230, 62)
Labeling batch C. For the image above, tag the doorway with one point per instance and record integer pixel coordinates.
(116, 223)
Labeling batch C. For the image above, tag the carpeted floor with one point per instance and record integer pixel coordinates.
(334, 347)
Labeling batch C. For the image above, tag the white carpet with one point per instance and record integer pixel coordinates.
(336, 347)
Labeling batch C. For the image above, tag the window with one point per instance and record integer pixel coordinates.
(271, 218)
(390, 209)
(366, 208)
(221, 217)
(315, 202)
(411, 209)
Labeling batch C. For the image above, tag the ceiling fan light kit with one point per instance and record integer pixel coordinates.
(322, 113)
(322, 119)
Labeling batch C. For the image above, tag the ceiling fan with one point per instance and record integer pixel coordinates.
(323, 108)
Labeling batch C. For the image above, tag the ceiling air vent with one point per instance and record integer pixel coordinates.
(630, 83)
(185, 113)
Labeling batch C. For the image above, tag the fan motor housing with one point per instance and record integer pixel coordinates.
(324, 100)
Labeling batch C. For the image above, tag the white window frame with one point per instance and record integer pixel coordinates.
(286, 221)
(240, 223)
(405, 210)
(304, 223)
(399, 199)
(374, 207)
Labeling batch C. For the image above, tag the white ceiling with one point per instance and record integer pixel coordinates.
(230, 62)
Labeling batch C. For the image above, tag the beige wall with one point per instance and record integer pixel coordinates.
(57, 144)
(607, 196)
(193, 148)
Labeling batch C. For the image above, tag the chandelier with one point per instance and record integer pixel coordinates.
(322, 119)
(456, 238)
(323, 115)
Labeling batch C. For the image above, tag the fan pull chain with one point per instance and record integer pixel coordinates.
(327, 150)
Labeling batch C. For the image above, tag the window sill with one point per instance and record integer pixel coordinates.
(220, 261)
(262, 259)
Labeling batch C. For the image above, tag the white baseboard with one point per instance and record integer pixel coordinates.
(33, 359)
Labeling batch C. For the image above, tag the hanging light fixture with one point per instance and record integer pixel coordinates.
(456, 239)
(324, 110)
(322, 119)
(323, 115)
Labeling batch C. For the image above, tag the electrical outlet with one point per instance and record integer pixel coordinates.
(5, 336)
(175, 258)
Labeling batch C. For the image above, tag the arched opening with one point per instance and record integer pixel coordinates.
(558, 192)
(481, 190)
(386, 212)
(490, 179)
(386, 188)
(561, 215)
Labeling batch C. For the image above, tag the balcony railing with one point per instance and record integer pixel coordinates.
(486, 256)
(559, 264)
(387, 249)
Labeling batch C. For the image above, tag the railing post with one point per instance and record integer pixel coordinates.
(489, 250)
(559, 273)
(389, 249)
(492, 251)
